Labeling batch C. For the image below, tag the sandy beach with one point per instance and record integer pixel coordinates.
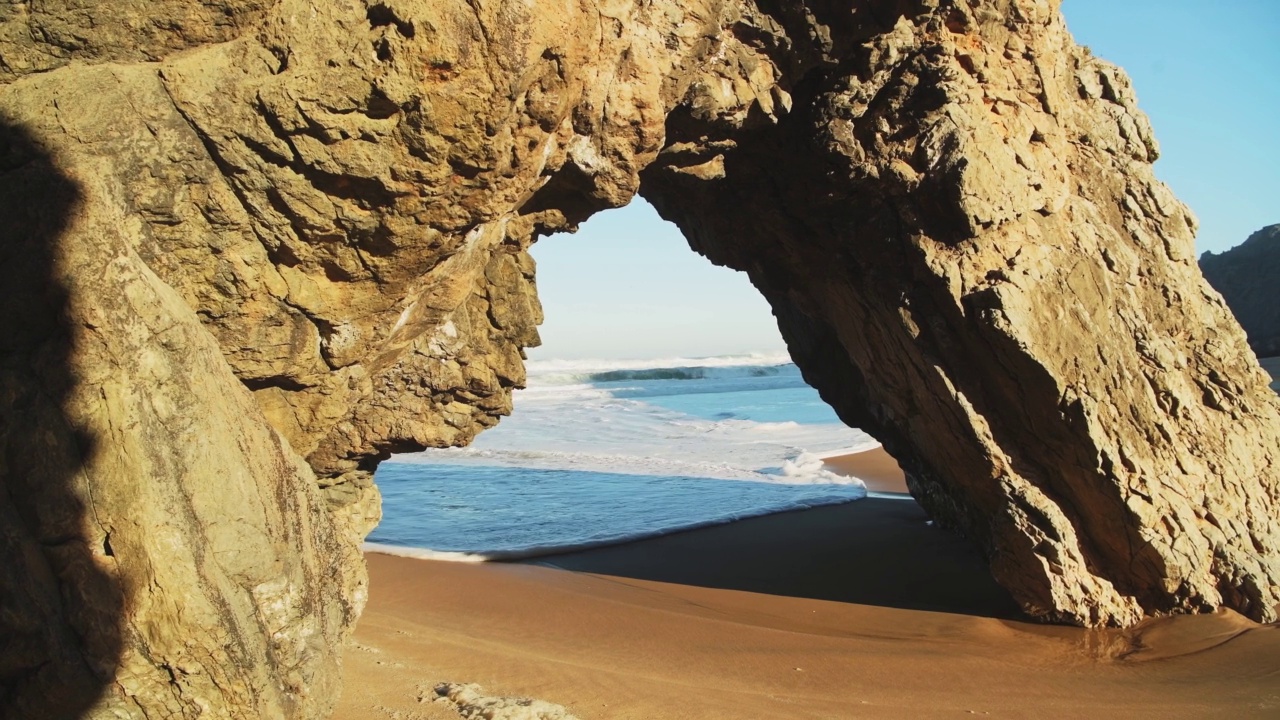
(860, 610)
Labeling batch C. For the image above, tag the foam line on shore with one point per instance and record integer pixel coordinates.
(551, 550)
(866, 447)
(889, 495)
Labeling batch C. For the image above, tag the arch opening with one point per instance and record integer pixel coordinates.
(661, 401)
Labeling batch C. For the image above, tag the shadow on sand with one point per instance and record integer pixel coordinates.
(876, 551)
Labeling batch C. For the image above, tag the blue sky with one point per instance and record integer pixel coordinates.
(1207, 73)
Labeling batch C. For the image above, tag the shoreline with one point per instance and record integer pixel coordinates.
(874, 467)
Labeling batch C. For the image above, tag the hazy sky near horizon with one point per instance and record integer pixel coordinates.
(626, 285)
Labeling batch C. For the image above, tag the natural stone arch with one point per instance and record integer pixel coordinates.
(962, 240)
(314, 221)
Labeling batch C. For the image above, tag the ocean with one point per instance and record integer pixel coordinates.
(600, 452)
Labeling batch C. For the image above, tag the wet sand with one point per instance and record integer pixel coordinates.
(851, 611)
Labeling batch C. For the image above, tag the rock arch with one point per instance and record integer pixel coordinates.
(301, 234)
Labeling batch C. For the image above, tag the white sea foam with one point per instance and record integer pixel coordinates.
(589, 427)
(605, 434)
(581, 368)
(721, 438)
(809, 468)
(424, 553)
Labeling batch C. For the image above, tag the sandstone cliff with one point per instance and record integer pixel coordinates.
(241, 234)
(1246, 276)
(163, 543)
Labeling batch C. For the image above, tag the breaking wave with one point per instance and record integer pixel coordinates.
(606, 452)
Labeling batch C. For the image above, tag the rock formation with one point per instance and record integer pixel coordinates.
(166, 550)
(251, 247)
(1246, 276)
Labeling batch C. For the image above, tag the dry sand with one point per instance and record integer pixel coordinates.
(878, 471)
(854, 611)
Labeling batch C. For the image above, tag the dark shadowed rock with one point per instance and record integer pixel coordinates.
(1247, 276)
(252, 248)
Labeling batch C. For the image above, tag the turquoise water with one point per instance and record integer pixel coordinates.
(498, 513)
(596, 454)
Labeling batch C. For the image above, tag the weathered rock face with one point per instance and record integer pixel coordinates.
(1246, 277)
(249, 233)
(165, 550)
(960, 234)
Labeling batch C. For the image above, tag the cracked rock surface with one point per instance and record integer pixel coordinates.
(251, 247)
